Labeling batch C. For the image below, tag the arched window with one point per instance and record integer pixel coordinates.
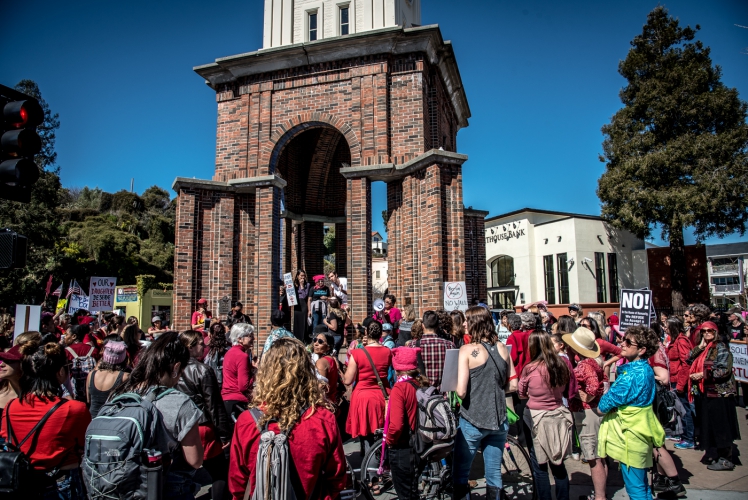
(502, 271)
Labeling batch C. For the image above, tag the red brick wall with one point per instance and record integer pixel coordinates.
(475, 255)
(697, 280)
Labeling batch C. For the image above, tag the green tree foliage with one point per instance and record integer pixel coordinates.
(676, 154)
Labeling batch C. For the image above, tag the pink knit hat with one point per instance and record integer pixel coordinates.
(114, 352)
(405, 358)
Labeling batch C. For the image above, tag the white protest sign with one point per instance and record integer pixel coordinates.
(78, 302)
(290, 290)
(449, 372)
(101, 293)
(739, 352)
(455, 296)
(635, 308)
(28, 319)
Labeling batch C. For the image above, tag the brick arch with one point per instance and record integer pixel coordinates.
(283, 133)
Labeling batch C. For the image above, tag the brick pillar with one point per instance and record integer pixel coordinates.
(267, 257)
(184, 254)
(452, 222)
(341, 248)
(358, 222)
(312, 248)
(287, 266)
(295, 248)
(221, 251)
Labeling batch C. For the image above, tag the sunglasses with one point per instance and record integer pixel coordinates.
(320, 341)
(709, 330)
(629, 343)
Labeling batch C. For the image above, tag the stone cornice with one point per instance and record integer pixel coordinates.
(475, 213)
(390, 172)
(287, 214)
(395, 41)
(245, 185)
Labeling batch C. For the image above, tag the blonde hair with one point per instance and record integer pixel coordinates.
(286, 384)
(28, 337)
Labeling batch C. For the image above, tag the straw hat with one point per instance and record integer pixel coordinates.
(583, 342)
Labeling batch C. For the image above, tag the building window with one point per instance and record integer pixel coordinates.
(602, 295)
(344, 26)
(550, 279)
(312, 26)
(502, 272)
(563, 278)
(504, 300)
(613, 277)
(726, 280)
(377, 274)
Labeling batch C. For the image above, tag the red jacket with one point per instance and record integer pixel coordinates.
(402, 407)
(677, 354)
(316, 449)
(520, 352)
(237, 375)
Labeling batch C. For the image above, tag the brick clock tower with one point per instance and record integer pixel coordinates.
(340, 95)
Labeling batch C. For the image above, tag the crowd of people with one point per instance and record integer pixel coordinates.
(575, 387)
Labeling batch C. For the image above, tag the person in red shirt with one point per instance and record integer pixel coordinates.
(521, 326)
(237, 369)
(60, 440)
(290, 399)
(400, 422)
(200, 316)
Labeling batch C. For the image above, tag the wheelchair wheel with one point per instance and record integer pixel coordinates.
(516, 471)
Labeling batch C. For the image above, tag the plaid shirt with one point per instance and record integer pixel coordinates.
(433, 352)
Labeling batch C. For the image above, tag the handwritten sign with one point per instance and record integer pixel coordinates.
(739, 352)
(290, 290)
(101, 293)
(455, 296)
(78, 302)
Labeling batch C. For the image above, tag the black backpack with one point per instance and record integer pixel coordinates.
(664, 406)
(17, 477)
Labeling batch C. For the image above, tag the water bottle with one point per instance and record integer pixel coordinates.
(155, 475)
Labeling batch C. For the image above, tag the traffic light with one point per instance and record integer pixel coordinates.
(21, 114)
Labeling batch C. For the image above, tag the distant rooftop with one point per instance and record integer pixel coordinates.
(739, 248)
(549, 212)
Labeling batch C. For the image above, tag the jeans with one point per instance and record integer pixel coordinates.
(405, 472)
(180, 485)
(218, 468)
(338, 342)
(688, 425)
(69, 487)
(543, 481)
(467, 441)
(636, 483)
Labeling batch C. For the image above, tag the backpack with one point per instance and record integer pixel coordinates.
(276, 477)
(17, 476)
(215, 361)
(664, 406)
(117, 441)
(437, 425)
(80, 367)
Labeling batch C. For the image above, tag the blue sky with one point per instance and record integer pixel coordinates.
(541, 79)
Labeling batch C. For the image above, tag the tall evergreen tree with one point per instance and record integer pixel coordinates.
(676, 154)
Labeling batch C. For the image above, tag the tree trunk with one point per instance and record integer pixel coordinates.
(677, 268)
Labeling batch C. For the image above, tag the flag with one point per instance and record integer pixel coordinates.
(49, 285)
(75, 288)
(58, 291)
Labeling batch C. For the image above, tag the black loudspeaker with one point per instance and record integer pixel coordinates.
(12, 249)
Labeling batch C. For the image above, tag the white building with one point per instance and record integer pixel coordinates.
(563, 258)
(289, 22)
(727, 269)
(379, 275)
(378, 245)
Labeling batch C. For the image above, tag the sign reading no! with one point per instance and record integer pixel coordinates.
(635, 308)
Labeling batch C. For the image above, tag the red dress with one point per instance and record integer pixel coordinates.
(366, 413)
(332, 378)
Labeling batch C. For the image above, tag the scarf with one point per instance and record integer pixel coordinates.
(698, 367)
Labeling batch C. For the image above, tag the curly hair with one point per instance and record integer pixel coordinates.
(458, 320)
(700, 312)
(416, 329)
(645, 338)
(286, 384)
(445, 323)
(480, 325)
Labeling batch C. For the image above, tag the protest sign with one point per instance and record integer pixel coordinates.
(739, 352)
(635, 308)
(290, 290)
(101, 293)
(28, 318)
(78, 302)
(455, 296)
(449, 372)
